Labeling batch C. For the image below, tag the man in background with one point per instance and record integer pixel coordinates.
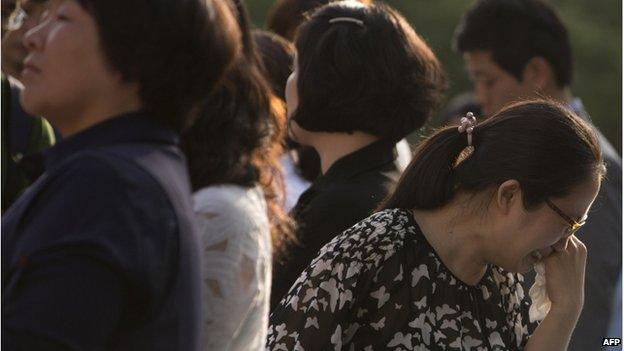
(519, 49)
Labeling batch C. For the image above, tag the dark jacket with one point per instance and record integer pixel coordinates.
(348, 192)
(602, 234)
(100, 253)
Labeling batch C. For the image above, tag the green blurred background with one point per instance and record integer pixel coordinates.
(595, 28)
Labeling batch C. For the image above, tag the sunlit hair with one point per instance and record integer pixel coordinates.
(277, 56)
(378, 77)
(541, 144)
(287, 15)
(238, 136)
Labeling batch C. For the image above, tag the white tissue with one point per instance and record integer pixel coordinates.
(539, 297)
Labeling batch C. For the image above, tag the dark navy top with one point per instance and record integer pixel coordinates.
(100, 253)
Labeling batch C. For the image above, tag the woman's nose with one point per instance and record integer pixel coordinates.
(33, 39)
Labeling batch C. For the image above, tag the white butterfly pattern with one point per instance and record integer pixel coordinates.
(381, 296)
(361, 276)
(401, 339)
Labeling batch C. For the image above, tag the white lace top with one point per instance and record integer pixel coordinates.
(236, 260)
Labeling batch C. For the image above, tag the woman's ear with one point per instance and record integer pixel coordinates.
(508, 195)
(538, 73)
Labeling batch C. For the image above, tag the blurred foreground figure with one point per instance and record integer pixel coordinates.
(101, 252)
(539, 63)
(22, 133)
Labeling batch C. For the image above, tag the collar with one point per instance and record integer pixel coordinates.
(369, 157)
(374, 156)
(132, 127)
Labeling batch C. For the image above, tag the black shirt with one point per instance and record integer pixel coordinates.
(100, 252)
(348, 192)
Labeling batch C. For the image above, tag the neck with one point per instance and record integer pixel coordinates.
(69, 123)
(333, 146)
(456, 237)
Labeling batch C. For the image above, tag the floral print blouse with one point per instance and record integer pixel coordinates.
(381, 286)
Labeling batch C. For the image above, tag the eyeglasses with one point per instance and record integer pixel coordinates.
(574, 226)
(16, 19)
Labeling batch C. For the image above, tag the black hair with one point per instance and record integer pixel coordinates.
(541, 144)
(277, 55)
(177, 51)
(237, 138)
(515, 31)
(378, 77)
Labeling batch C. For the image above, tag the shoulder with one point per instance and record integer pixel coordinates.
(236, 209)
(372, 240)
(104, 170)
(345, 268)
(232, 200)
(96, 181)
(113, 209)
(352, 201)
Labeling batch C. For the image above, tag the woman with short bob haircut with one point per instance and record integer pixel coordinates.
(102, 251)
(438, 268)
(363, 80)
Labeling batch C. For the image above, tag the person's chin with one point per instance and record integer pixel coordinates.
(30, 101)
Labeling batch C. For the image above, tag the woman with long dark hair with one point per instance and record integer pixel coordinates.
(438, 267)
(233, 153)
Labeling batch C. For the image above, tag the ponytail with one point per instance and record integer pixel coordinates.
(541, 144)
(429, 182)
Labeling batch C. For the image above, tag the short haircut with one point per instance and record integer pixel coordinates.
(277, 56)
(516, 31)
(287, 15)
(177, 51)
(378, 77)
